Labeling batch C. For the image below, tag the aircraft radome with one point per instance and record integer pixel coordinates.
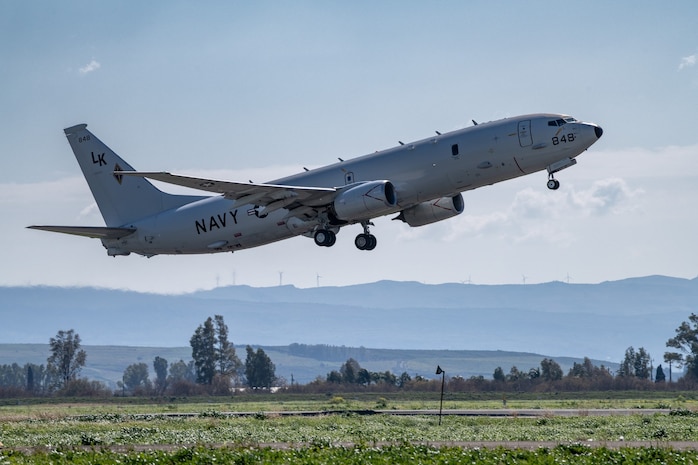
(419, 181)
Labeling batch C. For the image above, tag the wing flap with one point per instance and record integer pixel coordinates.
(96, 232)
(257, 194)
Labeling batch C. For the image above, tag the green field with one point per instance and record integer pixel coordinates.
(118, 431)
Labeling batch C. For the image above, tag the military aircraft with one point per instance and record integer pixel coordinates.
(420, 181)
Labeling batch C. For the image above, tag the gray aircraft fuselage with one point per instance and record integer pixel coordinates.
(421, 181)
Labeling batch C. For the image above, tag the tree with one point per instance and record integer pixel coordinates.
(228, 362)
(498, 374)
(403, 379)
(364, 377)
(643, 364)
(636, 363)
(388, 377)
(160, 367)
(67, 359)
(259, 369)
(659, 377)
(180, 371)
(515, 374)
(203, 351)
(212, 352)
(334, 377)
(686, 340)
(673, 358)
(587, 370)
(550, 370)
(135, 377)
(350, 371)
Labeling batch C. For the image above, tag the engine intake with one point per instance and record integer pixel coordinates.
(365, 201)
(433, 211)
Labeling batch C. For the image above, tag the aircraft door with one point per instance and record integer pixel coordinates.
(525, 138)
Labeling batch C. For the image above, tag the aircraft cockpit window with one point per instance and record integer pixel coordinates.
(557, 122)
(569, 119)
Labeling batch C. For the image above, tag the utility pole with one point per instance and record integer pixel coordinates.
(439, 371)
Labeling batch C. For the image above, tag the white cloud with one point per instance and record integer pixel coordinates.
(534, 214)
(605, 196)
(687, 62)
(93, 65)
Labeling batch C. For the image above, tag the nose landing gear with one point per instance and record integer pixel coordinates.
(553, 184)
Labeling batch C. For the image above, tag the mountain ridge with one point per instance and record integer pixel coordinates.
(577, 320)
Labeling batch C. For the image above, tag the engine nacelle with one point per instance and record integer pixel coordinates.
(365, 201)
(433, 211)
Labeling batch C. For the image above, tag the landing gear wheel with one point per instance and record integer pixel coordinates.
(325, 238)
(365, 242)
(553, 184)
(332, 239)
(372, 241)
(361, 241)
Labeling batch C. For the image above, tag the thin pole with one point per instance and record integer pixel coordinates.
(441, 404)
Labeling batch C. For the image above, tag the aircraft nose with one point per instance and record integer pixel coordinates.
(598, 131)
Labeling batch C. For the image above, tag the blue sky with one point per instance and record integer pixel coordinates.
(257, 90)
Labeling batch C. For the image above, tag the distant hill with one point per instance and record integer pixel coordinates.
(299, 362)
(558, 319)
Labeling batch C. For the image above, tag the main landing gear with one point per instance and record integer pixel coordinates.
(366, 240)
(325, 237)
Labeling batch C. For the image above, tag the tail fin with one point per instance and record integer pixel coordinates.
(121, 199)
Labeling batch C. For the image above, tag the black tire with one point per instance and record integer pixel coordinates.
(372, 242)
(361, 241)
(331, 239)
(321, 236)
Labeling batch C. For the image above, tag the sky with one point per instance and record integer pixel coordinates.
(258, 90)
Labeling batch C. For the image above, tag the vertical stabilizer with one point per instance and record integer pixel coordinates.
(121, 199)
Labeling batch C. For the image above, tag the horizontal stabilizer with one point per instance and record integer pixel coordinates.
(96, 232)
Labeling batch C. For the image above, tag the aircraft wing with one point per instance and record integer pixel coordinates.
(88, 231)
(267, 195)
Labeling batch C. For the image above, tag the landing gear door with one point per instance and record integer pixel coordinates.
(525, 138)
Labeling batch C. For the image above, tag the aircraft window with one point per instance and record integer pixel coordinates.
(552, 123)
(454, 149)
(570, 120)
(558, 122)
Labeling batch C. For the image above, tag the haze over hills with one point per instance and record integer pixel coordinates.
(556, 319)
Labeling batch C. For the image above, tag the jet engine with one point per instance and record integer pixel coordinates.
(432, 211)
(365, 201)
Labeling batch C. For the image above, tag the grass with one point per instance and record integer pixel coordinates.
(402, 454)
(129, 423)
(122, 430)
(88, 432)
(38, 408)
(337, 429)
